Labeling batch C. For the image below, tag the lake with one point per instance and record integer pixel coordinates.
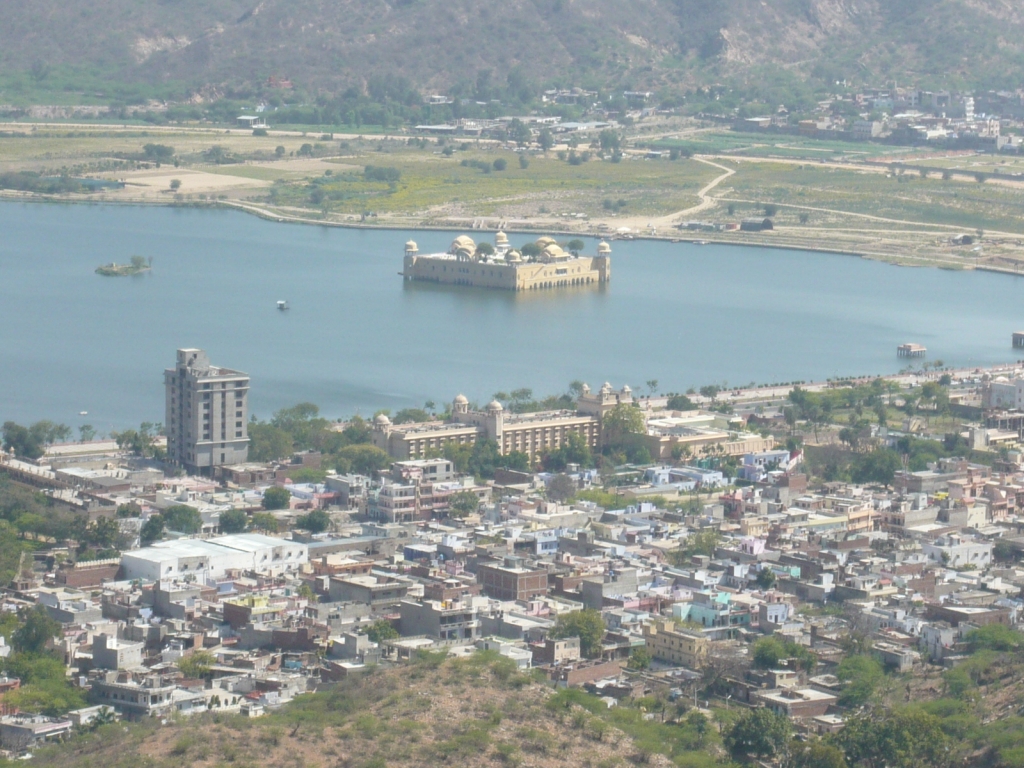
(358, 338)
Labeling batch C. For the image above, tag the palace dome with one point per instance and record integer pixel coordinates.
(544, 242)
(461, 400)
(494, 405)
(463, 242)
(501, 239)
(411, 246)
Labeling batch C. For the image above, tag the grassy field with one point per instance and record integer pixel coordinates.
(772, 145)
(823, 198)
(932, 201)
(432, 184)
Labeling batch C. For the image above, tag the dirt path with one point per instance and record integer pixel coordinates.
(662, 222)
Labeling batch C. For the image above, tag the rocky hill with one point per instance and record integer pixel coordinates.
(331, 45)
(479, 711)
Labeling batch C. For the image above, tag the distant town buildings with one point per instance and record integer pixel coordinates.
(721, 543)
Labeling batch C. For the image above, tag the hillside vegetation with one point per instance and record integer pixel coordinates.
(478, 711)
(483, 48)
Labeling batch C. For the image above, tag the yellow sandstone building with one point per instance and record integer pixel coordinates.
(531, 433)
(503, 267)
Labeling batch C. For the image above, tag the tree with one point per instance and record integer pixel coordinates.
(609, 140)
(587, 625)
(575, 246)
(381, 630)
(183, 519)
(545, 139)
(879, 466)
(524, 162)
(640, 659)
(268, 443)
(158, 153)
(704, 542)
(152, 530)
(316, 521)
(766, 578)
(21, 441)
(816, 754)
(898, 738)
(86, 433)
(37, 630)
(233, 521)
(681, 403)
(519, 132)
(517, 461)
(621, 424)
(500, 164)
(576, 450)
(363, 459)
(1005, 552)
(758, 732)
(276, 497)
(699, 722)
(860, 675)
(45, 687)
(710, 391)
(485, 248)
(175, 185)
(196, 664)
(411, 416)
(279, 151)
(264, 521)
(994, 637)
(463, 504)
(769, 652)
(561, 488)
(484, 458)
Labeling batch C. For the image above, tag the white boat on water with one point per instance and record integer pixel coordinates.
(282, 305)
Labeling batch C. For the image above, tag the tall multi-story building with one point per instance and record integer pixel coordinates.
(206, 413)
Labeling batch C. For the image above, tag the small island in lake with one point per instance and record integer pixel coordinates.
(136, 266)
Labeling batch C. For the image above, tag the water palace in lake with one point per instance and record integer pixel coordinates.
(505, 268)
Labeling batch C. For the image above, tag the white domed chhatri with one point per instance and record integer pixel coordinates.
(382, 419)
(461, 400)
(411, 246)
(603, 249)
(501, 239)
(494, 405)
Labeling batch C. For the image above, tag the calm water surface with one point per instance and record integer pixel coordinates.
(358, 338)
